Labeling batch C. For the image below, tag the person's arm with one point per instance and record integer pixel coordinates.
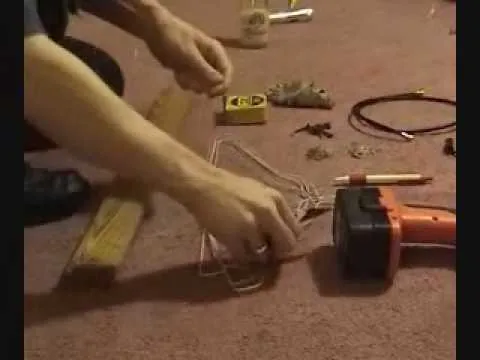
(199, 62)
(66, 101)
(129, 15)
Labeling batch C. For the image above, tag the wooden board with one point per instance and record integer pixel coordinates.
(106, 241)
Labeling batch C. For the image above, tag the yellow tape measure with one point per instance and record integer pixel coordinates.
(245, 102)
(245, 109)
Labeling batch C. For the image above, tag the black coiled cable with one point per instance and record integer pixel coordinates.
(407, 134)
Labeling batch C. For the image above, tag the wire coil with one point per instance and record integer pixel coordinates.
(407, 134)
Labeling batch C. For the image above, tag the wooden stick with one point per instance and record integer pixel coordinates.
(105, 243)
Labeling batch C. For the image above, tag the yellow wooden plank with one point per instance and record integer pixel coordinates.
(106, 241)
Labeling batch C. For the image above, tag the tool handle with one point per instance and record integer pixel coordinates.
(381, 179)
(423, 224)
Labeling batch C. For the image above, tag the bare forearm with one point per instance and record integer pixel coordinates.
(128, 15)
(67, 102)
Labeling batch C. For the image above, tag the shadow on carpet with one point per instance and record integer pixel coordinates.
(329, 282)
(180, 284)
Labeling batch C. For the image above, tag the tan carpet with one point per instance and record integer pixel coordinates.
(161, 310)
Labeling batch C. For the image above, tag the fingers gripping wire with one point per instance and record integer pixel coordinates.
(211, 249)
(246, 283)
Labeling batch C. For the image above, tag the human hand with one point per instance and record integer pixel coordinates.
(246, 216)
(199, 62)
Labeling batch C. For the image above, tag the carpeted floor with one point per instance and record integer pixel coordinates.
(160, 309)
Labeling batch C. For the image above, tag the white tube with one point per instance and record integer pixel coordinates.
(300, 15)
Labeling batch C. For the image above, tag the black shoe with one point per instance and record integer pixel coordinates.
(52, 195)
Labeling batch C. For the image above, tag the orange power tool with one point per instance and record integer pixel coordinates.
(370, 227)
